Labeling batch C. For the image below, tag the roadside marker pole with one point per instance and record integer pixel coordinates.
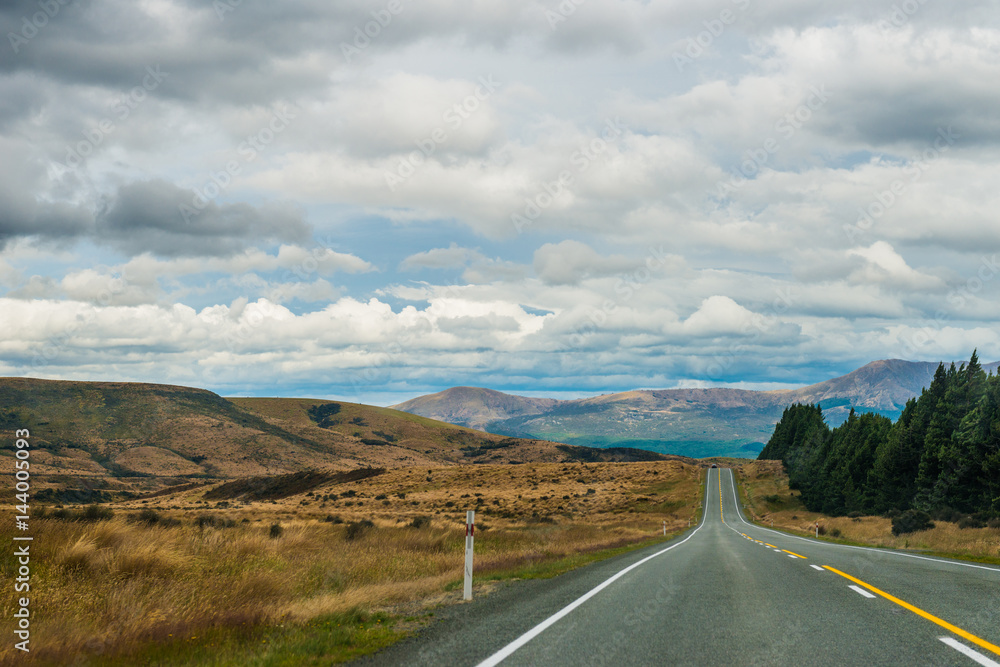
(470, 532)
(665, 527)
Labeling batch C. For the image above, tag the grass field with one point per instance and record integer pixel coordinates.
(764, 486)
(326, 574)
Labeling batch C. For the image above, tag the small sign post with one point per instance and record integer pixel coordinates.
(470, 532)
(665, 527)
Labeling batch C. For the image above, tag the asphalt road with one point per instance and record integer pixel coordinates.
(724, 593)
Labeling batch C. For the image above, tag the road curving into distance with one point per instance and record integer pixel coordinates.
(728, 592)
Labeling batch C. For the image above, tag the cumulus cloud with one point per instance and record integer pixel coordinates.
(882, 264)
(451, 257)
(718, 315)
(817, 182)
(568, 262)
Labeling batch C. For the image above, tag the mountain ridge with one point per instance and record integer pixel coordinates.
(107, 437)
(705, 421)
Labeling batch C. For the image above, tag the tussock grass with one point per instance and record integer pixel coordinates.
(218, 591)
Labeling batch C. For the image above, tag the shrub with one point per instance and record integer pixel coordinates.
(835, 532)
(147, 516)
(276, 531)
(356, 529)
(911, 521)
(96, 513)
(381, 496)
(971, 522)
(993, 523)
(330, 518)
(213, 521)
(420, 522)
(946, 514)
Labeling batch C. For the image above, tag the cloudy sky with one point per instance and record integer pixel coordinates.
(375, 199)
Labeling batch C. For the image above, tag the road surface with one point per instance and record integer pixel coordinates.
(726, 593)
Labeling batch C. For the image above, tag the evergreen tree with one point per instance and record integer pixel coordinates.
(943, 452)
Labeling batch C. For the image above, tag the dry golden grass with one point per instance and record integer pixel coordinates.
(124, 584)
(766, 486)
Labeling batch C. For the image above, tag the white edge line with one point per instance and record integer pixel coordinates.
(847, 546)
(861, 591)
(509, 649)
(975, 655)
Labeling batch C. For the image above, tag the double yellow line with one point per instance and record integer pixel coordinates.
(721, 515)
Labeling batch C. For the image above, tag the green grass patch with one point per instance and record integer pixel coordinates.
(324, 640)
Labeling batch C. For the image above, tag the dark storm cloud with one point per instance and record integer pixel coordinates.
(48, 221)
(22, 214)
(914, 114)
(110, 44)
(147, 217)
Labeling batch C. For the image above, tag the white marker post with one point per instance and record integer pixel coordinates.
(470, 532)
(665, 528)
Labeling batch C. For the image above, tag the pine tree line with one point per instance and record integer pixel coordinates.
(943, 453)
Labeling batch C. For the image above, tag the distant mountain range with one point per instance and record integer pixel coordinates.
(689, 422)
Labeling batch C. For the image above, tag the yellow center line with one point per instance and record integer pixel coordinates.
(920, 612)
(793, 553)
(721, 515)
(770, 545)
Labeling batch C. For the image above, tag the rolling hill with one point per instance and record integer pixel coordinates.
(136, 437)
(691, 422)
